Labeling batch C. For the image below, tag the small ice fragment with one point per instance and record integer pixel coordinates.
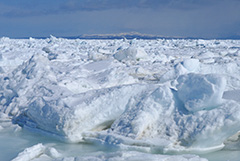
(191, 64)
(30, 153)
(131, 53)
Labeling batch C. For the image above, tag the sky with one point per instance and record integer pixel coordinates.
(170, 18)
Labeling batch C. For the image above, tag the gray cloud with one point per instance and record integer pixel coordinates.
(21, 8)
(186, 18)
(110, 4)
(26, 8)
(44, 7)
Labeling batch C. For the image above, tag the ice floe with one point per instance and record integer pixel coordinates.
(156, 96)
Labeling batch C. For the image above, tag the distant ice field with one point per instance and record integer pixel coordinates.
(163, 99)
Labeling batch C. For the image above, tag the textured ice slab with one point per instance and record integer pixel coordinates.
(38, 152)
(91, 111)
(37, 98)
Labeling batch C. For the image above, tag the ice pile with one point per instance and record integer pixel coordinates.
(131, 54)
(133, 156)
(38, 151)
(43, 152)
(189, 119)
(158, 96)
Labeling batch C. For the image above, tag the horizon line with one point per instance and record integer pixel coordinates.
(127, 35)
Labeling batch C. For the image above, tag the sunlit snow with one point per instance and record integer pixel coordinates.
(164, 99)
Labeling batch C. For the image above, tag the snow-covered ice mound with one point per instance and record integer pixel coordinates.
(193, 118)
(191, 64)
(130, 54)
(91, 111)
(43, 102)
(159, 96)
(199, 92)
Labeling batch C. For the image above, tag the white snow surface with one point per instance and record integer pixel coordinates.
(157, 96)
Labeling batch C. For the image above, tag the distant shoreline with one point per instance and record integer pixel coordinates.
(130, 36)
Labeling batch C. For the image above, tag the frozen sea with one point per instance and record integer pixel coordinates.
(163, 99)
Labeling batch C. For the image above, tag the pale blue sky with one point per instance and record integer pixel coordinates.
(184, 18)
